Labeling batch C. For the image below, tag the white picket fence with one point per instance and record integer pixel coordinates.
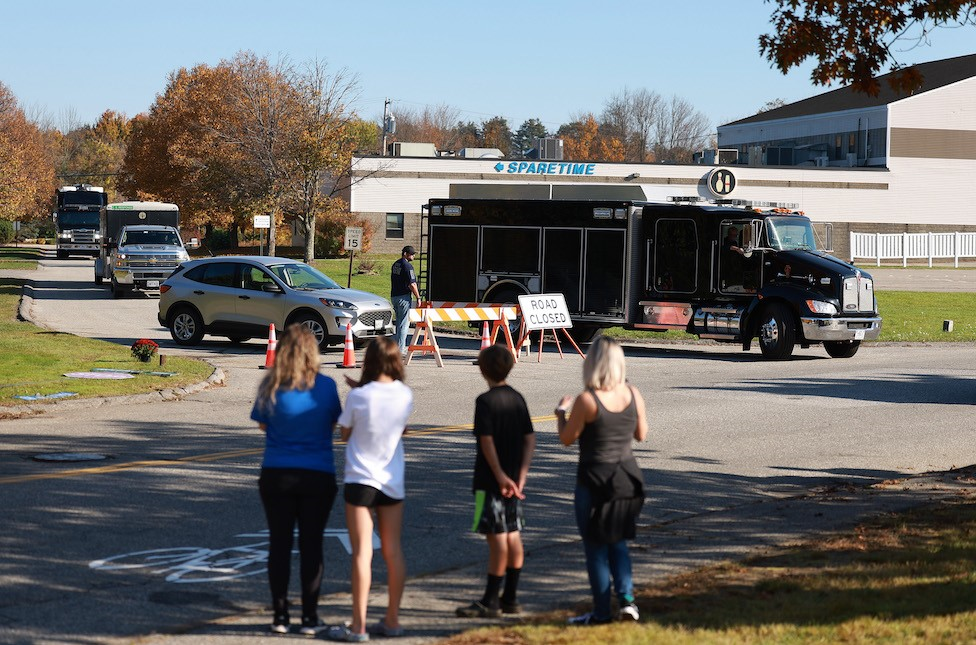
(913, 246)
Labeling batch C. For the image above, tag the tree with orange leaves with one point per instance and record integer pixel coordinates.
(27, 172)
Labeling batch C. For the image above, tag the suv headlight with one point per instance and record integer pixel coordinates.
(338, 304)
(821, 307)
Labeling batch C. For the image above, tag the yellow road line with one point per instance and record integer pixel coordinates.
(209, 457)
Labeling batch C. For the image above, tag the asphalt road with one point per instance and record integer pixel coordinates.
(729, 432)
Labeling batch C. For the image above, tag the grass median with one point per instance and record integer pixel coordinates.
(898, 578)
(33, 360)
(18, 258)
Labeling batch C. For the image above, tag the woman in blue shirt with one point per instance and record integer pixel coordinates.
(297, 408)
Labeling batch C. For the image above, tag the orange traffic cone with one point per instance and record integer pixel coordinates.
(269, 356)
(349, 351)
(485, 341)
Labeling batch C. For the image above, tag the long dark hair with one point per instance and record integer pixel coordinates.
(382, 358)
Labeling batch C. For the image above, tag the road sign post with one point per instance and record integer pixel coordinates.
(352, 241)
(261, 222)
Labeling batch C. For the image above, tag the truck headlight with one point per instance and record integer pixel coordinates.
(821, 307)
(121, 260)
(338, 304)
(65, 236)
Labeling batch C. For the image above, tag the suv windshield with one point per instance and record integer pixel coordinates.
(790, 234)
(303, 277)
(168, 238)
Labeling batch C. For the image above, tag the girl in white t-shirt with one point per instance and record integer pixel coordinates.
(372, 423)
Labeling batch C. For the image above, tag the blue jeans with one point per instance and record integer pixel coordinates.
(401, 306)
(603, 561)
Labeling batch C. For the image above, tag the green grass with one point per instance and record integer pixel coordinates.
(19, 258)
(911, 316)
(901, 578)
(33, 360)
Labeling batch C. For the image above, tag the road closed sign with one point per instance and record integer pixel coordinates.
(545, 311)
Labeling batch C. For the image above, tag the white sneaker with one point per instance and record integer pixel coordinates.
(629, 612)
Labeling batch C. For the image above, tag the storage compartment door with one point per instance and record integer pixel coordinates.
(453, 263)
(562, 265)
(604, 272)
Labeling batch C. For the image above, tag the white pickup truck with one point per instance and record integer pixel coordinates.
(141, 246)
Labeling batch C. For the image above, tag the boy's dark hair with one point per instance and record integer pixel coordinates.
(495, 362)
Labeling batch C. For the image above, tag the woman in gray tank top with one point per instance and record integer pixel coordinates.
(606, 418)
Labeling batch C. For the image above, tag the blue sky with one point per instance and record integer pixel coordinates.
(546, 59)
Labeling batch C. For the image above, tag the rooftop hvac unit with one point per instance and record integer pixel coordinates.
(481, 153)
(406, 149)
(549, 148)
(719, 157)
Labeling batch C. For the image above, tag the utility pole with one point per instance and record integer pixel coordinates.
(389, 124)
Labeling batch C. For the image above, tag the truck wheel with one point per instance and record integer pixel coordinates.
(841, 348)
(98, 279)
(62, 255)
(186, 327)
(316, 326)
(777, 332)
(116, 290)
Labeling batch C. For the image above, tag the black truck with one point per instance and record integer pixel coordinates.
(76, 219)
(724, 271)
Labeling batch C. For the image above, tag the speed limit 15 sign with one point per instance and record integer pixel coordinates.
(354, 238)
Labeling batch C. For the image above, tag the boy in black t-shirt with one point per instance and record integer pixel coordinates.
(506, 442)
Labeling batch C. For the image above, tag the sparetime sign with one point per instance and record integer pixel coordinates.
(546, 168)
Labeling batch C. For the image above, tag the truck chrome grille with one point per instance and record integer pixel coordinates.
(858, 295)
(153, 261)
(82, 236)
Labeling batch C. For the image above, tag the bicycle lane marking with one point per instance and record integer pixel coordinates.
(191, 564)
(210, 457)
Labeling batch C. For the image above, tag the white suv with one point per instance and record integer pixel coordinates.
(239, 296)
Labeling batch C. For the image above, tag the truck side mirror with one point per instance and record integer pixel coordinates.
(194, 243)
(829, 237)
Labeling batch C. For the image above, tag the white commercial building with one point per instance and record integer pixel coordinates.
(882, 164)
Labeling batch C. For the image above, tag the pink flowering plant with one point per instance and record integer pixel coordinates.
(144, 348)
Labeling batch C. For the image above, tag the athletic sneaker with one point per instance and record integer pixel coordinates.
(380, 629)
(478, 610)
(343, 634)
(629, 611)
(588, 619)
(311, 626)
(280, 624)
(510, 607)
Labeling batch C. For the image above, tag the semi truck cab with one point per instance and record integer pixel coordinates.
(736, 274)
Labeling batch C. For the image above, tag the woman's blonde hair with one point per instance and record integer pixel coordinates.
(604, 367)
(295, 368)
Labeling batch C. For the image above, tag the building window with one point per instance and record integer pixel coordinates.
(394, 226)
(838, 141)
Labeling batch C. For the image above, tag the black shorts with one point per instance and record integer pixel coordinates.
(363, 495)
(495, 514)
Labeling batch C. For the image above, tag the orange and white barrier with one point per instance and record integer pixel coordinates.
(498, 315)
(464, 314)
